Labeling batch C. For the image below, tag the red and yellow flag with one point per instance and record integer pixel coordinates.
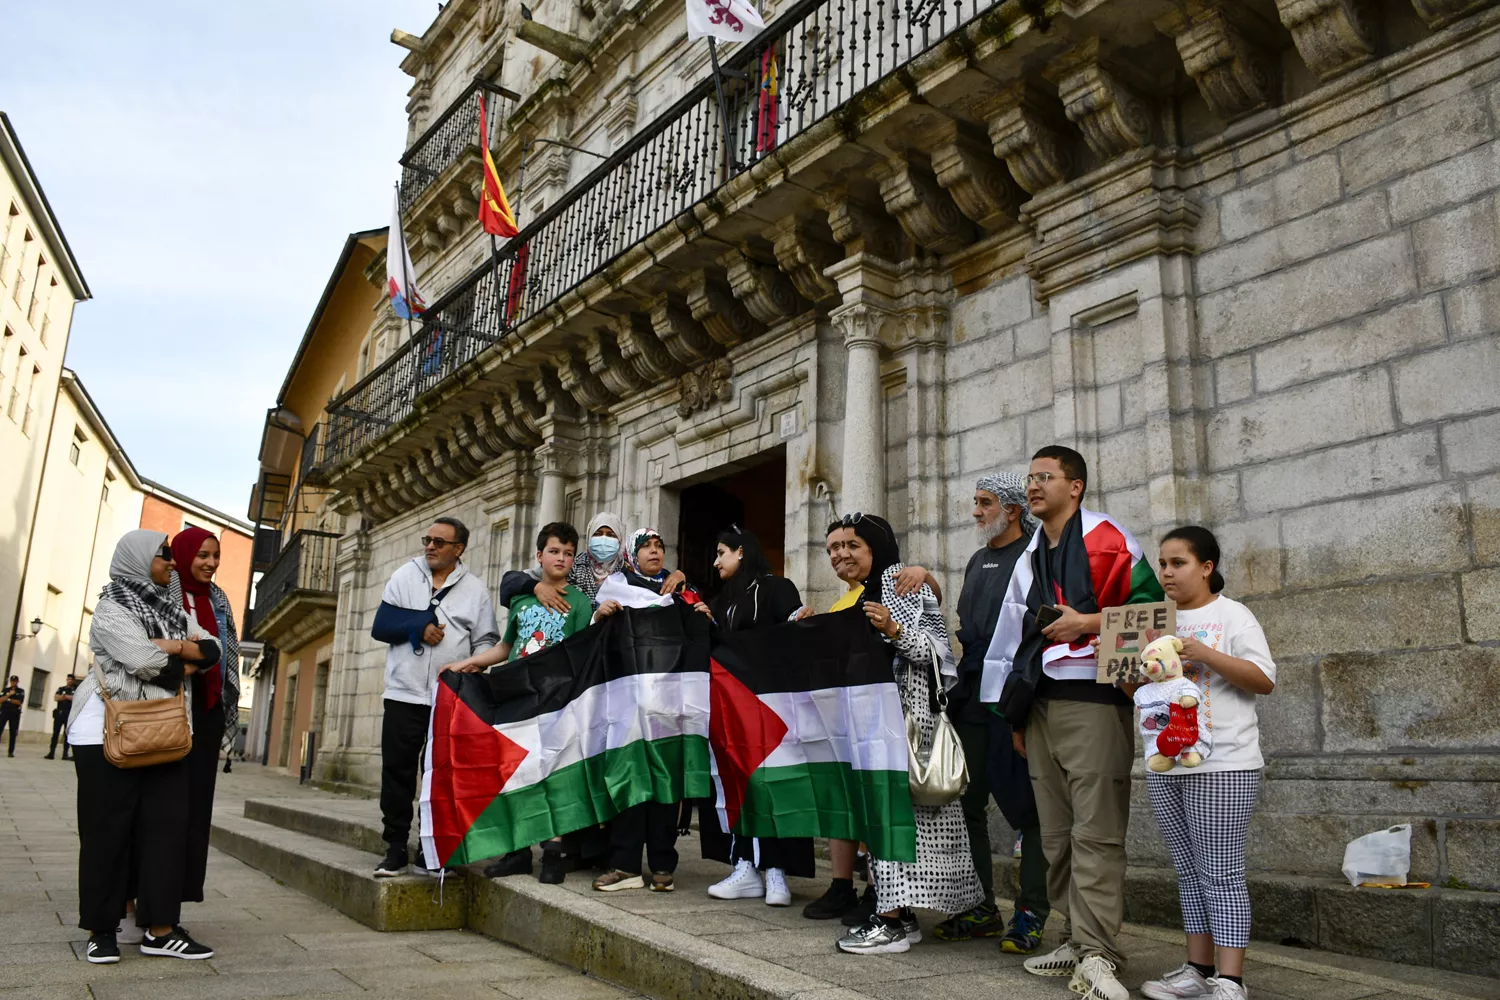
(494, 208)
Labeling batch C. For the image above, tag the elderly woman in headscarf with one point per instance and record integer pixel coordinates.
(602, 553)
(144, 645)
(943, 877)
(215, 690)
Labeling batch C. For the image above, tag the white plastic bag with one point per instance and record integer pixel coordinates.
(1382, 857)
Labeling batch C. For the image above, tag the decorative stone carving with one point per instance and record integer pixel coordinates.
(1334, 36)
(1441, 13)
(579, 381)
(860, 226)
(980, 184)
(708, 386)
(1026, 126)
(923, 208)
(465, 203)
(432, 238)
(683, 338)
(726, 319)
(803, 253)
(641, 349)
(1113, 116)
(523, 413)
(605, 361)
(619, 118)
(1221, 48)
(767, 294)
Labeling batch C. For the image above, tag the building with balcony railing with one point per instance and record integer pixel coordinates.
(1241, 255)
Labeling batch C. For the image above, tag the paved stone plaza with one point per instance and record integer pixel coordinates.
(276, 942)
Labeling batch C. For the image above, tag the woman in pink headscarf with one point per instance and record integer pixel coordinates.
(215, 694)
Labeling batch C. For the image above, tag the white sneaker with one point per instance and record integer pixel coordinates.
(743, 883)
(777, 894)
(128, 932)
(1225, 989)
(1095, 979)
(1061, 962)
(1182, 982)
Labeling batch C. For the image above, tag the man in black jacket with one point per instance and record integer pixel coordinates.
(11, 700)
(64, 704)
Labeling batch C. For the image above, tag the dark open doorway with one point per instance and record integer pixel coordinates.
(752, 496)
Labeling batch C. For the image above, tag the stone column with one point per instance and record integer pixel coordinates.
(867, 285)
(552, 498)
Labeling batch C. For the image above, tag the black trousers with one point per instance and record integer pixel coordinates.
(129, 817)
(650, 825)
(13, 720)
(403, 730)
(59, 730)
(203, 774)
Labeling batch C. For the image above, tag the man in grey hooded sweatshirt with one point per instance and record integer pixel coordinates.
(434, 612)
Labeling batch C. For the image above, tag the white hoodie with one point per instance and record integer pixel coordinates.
(467, 617)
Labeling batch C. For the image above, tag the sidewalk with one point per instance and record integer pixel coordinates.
(271, 941)
(795, 957)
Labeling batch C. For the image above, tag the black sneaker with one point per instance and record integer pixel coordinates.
(861, 914)
(514, 863)
(837, 901)
(396, 860)
(981, 922)
(175, 945)
(554, 865)
(102, 949)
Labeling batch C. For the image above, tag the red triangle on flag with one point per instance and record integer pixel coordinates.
(742, 731)
(468, 785)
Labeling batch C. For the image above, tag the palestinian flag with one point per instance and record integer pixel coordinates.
(1103, 567)
(808, 735)
(566, 738)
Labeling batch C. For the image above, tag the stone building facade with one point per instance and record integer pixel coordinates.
(1242, 255)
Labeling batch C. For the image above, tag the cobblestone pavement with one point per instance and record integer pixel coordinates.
(271, 941)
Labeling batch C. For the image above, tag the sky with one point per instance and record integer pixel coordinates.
(206, 162)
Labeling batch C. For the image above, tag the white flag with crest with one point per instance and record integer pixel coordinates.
(726, 20)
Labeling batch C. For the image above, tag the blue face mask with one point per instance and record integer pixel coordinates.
(603, 548)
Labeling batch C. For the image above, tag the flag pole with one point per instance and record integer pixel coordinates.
(713, 56)
(405, 277)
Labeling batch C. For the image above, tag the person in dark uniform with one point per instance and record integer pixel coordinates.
(64, 704)
(11, 700)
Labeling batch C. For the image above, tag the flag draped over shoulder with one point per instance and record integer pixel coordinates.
(400, 275)
(566, 738)
(808, 736)
(726, 20)
(1104, 567)
(495, 215)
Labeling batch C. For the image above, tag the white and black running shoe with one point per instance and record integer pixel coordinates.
(395, 862)
(102, 949)
(175, 945)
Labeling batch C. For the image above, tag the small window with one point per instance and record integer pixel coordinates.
(109, 477)
(75, 447)
(40, 690)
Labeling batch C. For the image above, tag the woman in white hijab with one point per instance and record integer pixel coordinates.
(132, 822)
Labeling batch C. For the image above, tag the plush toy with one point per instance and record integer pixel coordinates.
(1170, 725)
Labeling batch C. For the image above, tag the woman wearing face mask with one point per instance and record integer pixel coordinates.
(602, 554)
(215, 694)
(132, 822)
(943, 876)
(752, 597)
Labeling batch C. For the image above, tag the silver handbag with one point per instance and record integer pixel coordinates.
(937, 773)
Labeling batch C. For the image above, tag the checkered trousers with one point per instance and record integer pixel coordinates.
(1204, 819)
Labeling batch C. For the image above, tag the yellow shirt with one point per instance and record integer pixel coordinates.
(848, 600)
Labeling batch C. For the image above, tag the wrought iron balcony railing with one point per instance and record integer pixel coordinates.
(311, 466)
(306, 564)
(807, 65)
(453, 136)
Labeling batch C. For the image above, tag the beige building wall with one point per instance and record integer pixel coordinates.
(39, 284)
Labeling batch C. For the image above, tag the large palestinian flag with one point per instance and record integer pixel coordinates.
(1108, 570)
(808, 736)
(566, 738)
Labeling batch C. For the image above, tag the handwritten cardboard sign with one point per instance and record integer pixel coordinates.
(1124, 632)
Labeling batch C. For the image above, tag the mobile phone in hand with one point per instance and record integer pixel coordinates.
(1047, 614)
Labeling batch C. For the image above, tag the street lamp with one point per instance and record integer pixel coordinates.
(36, 626)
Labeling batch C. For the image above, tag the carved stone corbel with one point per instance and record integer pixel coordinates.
(432, 238)
(675, 327)
(557, 402)
(579, 381)
(767, 294)
(523, 412)
(641, 348)
(927, 213)
(708, 386)
(466, 203)
(1026, 126)
(455, 465)
(1334, 36)
(471, 436)
(861, 226)
(712, 304)
(980, 184)
(1221, 45)
(610, 367)
(803, 252)
(1441, 13)
(1112, 115)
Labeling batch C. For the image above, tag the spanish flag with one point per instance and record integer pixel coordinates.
(494, 209)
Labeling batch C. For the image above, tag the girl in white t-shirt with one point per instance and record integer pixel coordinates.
(1204, 812)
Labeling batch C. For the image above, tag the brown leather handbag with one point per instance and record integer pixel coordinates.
(147, 732)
